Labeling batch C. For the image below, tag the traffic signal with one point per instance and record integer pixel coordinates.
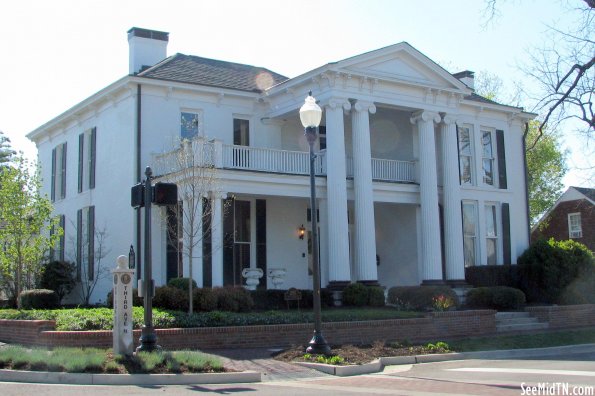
(137, 196)
(165, 194)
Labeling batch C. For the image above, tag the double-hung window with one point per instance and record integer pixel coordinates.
(465, 142)
(487, 144)
(575, 228)
(470, 232)
(189, 124)
(491, 234)
(87, 159)
(58, 172)
(85, 243)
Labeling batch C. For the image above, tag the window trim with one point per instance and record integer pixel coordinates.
(471, 156)
(493, 158)
(575, 233)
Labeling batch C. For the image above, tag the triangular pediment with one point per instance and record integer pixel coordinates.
(401, 62)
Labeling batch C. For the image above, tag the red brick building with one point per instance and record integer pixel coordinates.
(571, 217)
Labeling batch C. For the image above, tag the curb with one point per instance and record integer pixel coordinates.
(378, 365)
(127, 379)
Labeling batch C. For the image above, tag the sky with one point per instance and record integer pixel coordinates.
(56, 53)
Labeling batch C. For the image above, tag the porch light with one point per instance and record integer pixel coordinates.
(301, 231)
(310, 115)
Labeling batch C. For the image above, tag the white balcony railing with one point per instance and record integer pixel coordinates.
(281, 161)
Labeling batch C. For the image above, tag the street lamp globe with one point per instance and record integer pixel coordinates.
(310, 112)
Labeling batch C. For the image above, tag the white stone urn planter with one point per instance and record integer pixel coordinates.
(252, 276)
(277, 276)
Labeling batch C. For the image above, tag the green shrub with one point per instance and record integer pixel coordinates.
(419, 298)
(548, 268)
(203, 299)
(497, 297)
(136, 300)
(181, 283)
(39, 299)
(492, 275)
(376, 296)
(59, 276)
(265, 300)
(233, 299)
(355, 294)
(168, 297)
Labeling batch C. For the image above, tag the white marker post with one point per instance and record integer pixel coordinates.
(122, 293)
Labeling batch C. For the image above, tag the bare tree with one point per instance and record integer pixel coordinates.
(90, 265)
(191, 166)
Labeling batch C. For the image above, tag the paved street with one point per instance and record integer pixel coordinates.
(463, 377)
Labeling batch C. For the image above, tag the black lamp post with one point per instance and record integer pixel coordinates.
(310, 115)
(148, 338)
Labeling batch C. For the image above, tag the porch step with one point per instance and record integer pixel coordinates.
(517, 321)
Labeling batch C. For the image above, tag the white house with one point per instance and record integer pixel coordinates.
(418, 177)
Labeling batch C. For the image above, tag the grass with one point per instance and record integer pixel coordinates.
(94, 360)
(538, 340)
(78, 319)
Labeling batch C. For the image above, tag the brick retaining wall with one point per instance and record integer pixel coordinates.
(565, 316)
(433, 327)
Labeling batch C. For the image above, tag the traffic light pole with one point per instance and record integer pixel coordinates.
(148, 338)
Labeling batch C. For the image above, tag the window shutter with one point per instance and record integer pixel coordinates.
(52, 251)
(53, 186)
(79, 243)
(506, 233)
(63, 187)
(81, 154)
(502, 182)
(92, 158)
(91, 233)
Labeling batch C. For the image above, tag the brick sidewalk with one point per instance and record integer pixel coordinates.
(260, 360)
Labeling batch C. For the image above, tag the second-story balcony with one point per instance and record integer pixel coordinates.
(224, 156)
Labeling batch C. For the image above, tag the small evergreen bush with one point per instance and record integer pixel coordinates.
(497, 297)
(419, 298)
(266, 300)
(355, 294)
(376, 296)
(203, 299)
(233, 299)
(38, 299)
(58, 276)
(173, 298)
(181, 283)
(548, 268)
(492, 275)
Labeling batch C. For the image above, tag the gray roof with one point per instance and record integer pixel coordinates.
(587, 192)
(479, 98)
(203, 71)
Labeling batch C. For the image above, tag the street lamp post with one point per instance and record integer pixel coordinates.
(310, 116)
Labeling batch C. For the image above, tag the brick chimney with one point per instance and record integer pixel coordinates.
(467, 77)
(146, 48)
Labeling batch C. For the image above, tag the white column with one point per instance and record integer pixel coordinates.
(217, 239)
(365, 228)
(338, 236)
(428, 188)
(453, 229)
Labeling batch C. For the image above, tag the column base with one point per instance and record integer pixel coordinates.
(433, 282)
(369, 282)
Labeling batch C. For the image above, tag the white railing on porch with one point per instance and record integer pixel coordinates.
(282, 161)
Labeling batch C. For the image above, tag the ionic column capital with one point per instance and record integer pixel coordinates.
(217, 195)
(362, 105)
(449, 119)
(426, 116)
(337, 103)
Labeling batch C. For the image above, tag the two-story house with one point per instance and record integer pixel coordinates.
(417, 176)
